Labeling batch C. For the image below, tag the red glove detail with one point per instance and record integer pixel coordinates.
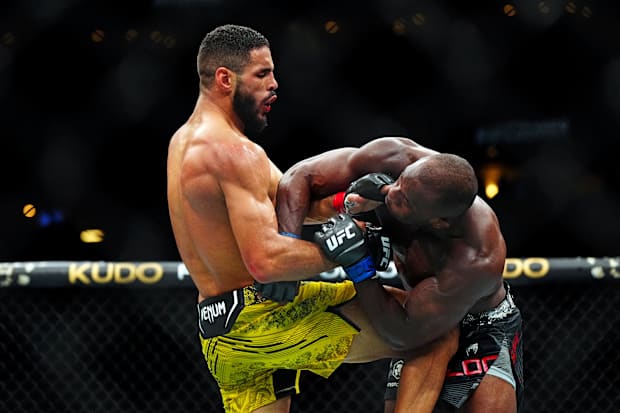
(338, 202)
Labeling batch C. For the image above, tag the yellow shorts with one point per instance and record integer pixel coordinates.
(260, 359)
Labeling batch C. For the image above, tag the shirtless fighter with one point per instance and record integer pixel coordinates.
(448, 250)
(221, 200)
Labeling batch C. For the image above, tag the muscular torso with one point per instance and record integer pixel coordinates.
(421, 254)
(197, 206)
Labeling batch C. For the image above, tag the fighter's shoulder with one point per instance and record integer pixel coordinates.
(394, 148)
(484, 233)
(219, 148)
(386, 142)
(482, 212)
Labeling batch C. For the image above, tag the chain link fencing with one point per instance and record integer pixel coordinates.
(102, 350)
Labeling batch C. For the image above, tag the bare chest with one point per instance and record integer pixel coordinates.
(422, 257)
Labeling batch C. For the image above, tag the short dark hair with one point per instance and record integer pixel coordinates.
(452, 179)
(229, 46)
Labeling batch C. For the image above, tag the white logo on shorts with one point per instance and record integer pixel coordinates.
(212, 311)
(397, 368)
(473, 349)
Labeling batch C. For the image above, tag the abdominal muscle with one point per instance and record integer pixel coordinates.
(208, 248)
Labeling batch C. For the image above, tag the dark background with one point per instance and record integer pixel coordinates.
(85, 124)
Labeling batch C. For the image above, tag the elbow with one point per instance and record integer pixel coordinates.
(260, 270)
(261, 278)
(265, 269)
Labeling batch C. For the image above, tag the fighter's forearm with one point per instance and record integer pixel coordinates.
(321, 210)
(293, 206)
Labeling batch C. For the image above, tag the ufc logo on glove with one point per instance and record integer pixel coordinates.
(386, 249)
(344, 242)
(337, 239)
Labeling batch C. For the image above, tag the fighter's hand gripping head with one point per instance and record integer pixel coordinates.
(345, 243)
(368, 186)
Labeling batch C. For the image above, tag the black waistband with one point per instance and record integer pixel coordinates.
(216, 315)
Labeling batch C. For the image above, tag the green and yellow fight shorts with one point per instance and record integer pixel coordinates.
(256, 348)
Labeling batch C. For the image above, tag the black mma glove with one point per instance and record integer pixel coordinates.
(380, 247)
(344, 242)
(369, 186)
(280, 291)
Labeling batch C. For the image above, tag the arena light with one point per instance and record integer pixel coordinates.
(419, 19)
(491, 189)
(97, 36)
(29, 210)
(131, 35)
(399, 27)
(91, 236)
(491, 175)
(510, 10)
(331, 26)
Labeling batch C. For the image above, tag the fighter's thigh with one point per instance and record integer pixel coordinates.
(279, 406)
(367, 345)
(494, 395)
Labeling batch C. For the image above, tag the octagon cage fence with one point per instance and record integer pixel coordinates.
(102, 336)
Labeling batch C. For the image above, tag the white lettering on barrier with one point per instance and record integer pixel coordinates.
(182, 271)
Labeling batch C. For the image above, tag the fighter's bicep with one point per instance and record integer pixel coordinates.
(249, 193)
(437, 303)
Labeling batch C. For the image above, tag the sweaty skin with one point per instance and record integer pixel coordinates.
(449, 267)
(222, 192)
(222, 195)
(447, 273)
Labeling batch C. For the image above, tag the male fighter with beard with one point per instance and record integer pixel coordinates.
(449, 252)
(257, 338)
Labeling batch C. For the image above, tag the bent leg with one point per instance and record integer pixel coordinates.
(279, 406)
(367, 346)
(494, 395)
(422, 376)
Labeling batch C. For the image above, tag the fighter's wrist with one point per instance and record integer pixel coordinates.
(290, 234)
(338, 202)
(362, 270)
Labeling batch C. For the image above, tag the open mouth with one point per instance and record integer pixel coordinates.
(269, 102)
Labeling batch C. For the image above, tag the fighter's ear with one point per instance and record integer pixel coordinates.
(225, 78)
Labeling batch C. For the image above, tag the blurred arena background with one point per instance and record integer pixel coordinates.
(91, 91)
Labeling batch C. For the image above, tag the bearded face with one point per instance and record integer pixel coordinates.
(249, 111)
